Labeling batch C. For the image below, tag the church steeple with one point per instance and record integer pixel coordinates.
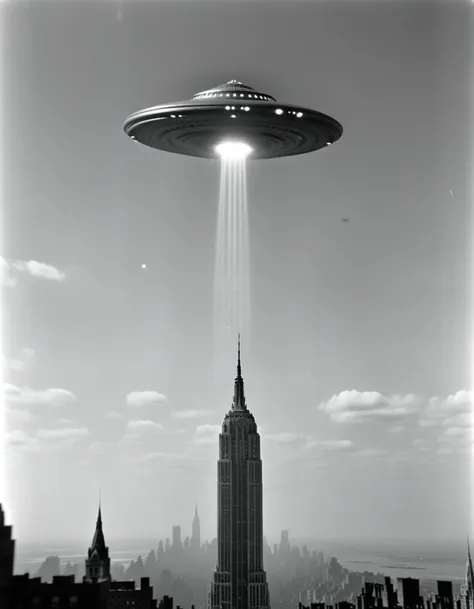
(239, 397)
(98, 562)
(98, 541)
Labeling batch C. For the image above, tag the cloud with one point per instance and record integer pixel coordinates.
(140, 426)
(191, 414)
(329, 445)
(455, 432)
(455, 440)
(206, 434)
(111, 414)
(66, 433)
(283, 437)
(26, 396)
(370, 452)
(16, 416)
(142, 398)
(65, 421)
(39, 269)
(45, 439)
(419, 443)
(99, 447)
(361, 406)
(452, 411)
(6, 278)
(19, 440)
(397, 428)
(20, 363)
(401, 457)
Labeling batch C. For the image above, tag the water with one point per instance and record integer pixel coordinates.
(428, 564)
(232, 269)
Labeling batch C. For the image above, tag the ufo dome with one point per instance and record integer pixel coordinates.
(232, 111)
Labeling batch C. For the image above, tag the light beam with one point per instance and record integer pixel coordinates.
(233, 150)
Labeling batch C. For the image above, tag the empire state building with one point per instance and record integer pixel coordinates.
(239, 579)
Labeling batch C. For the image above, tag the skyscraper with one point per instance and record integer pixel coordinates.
(469, 580)
(285, 547)
(177, 538)
(239, 579)
(196, 536)
(7, 553)
(98, 561)
(408, 593)
(467, 589)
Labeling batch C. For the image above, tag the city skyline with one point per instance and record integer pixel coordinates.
(358, 362)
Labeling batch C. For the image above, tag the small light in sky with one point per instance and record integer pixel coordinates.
(451, 193)
(143, 266)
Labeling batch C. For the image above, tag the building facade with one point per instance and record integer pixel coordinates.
(240, 580)
(65, 593)
(7, 554)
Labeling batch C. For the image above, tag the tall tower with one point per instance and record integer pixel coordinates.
(469, 582)
(177, 538)
(98, 561)
(7, 553)
(239, 579)
(467, 588)
(196, 536)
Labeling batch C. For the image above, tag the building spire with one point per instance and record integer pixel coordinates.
(98, 541)
(99, 516)
(239, 367)
(469, 571)
(239, 397)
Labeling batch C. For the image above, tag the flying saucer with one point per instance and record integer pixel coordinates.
(233, 112)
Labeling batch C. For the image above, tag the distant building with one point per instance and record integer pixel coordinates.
(370, 597)
(285, 547)
(408, 593)
(176, 537)
(166, 603)
(389, 594)
(196, 536)
(7, 555)
(49, 569)
(467, 589)
(98, 561)
(444, 598)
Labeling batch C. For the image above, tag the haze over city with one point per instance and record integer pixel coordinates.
(357, 364)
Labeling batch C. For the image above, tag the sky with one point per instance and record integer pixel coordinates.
(358, 366)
